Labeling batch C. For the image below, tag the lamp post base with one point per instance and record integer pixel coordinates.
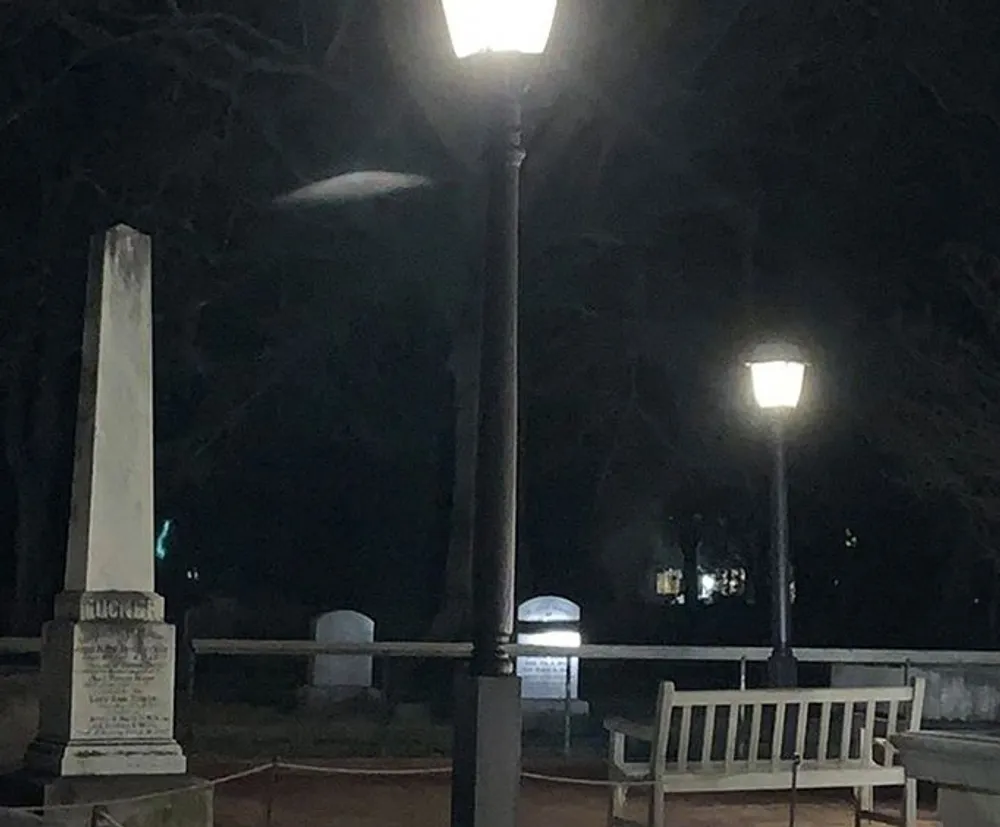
(486, 757)
(782, 669)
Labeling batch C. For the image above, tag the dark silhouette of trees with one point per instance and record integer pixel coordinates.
(699, 174)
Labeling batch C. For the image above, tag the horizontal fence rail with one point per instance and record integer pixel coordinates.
(587, 651)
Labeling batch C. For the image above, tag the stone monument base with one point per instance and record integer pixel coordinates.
(963, 766)
(131, 800)
(107, 695)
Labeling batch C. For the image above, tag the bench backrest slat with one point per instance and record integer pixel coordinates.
(777, 731)
(684, 744)
(709, 739)
(756, 716)
(770, 726)
(844, 750)
(823, 745)
(800, 730)
(733, 716)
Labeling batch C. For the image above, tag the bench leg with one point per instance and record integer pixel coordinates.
(864, 802)
(616, 803)
(657, 806)
(910, 803)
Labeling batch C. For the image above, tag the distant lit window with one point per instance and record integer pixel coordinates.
(707, 586)
(668, 582)
(193, 574)
(722, 583)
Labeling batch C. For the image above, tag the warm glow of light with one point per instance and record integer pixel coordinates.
(777, 384)
(478, 26)
(777, 372)
(556, 637)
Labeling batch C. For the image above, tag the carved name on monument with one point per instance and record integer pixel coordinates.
(97, 607)
(122, 672)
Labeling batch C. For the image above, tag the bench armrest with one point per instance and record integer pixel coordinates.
(889, 750)
(630, 729)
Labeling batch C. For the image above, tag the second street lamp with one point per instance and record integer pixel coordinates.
(487, 741)
(777, 372)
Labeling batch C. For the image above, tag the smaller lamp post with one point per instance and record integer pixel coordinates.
(777, 372)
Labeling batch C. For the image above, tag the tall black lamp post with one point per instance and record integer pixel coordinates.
(777, 372)
(495, 34)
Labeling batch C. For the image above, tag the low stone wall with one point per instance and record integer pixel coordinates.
(958, 694)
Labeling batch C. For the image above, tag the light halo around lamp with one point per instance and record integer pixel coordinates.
(519, 26)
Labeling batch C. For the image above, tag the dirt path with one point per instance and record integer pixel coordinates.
(301, 800)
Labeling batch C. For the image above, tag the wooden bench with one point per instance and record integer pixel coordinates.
(744, 740)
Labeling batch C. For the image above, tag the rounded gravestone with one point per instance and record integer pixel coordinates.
(338, 677)
(549, 620)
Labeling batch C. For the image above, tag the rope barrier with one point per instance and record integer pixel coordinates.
(367, 772)
(363, 771)
(132, 799)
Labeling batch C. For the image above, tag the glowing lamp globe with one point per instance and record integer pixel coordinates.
(478, 26)
(777, 373)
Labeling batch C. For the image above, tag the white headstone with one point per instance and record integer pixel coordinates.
(343, 675)
(107, 699)
(545, 678)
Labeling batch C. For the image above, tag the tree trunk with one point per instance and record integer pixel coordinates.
(453, 620)
(455, 614)
(956, 597)
(33, 552)
(32, 441)
(690, 539)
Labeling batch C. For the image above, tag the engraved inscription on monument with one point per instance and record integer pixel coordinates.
(125, 696)
(101, 607)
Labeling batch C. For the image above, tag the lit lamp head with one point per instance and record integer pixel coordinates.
(513, 26)
(777, 372)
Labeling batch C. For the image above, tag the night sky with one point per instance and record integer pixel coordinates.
(700, 176)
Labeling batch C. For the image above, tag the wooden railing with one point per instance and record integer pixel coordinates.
(587, 651)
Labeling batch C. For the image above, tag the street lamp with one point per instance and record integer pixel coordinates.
(487, 733)
(777, 372)
(515, 26)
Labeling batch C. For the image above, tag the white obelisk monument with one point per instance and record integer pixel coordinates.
(107, 698)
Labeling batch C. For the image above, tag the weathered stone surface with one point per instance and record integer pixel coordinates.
(131, 800)
(964, 766)
(107, 690)
(969, 694)
(111, 529)
(343, 626)
(107, 700)
(549, 620)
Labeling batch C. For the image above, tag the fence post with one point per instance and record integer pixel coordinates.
(568, 709)
(186, 657)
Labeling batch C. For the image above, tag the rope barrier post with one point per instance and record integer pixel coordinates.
(796, 760)
(271, 792)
